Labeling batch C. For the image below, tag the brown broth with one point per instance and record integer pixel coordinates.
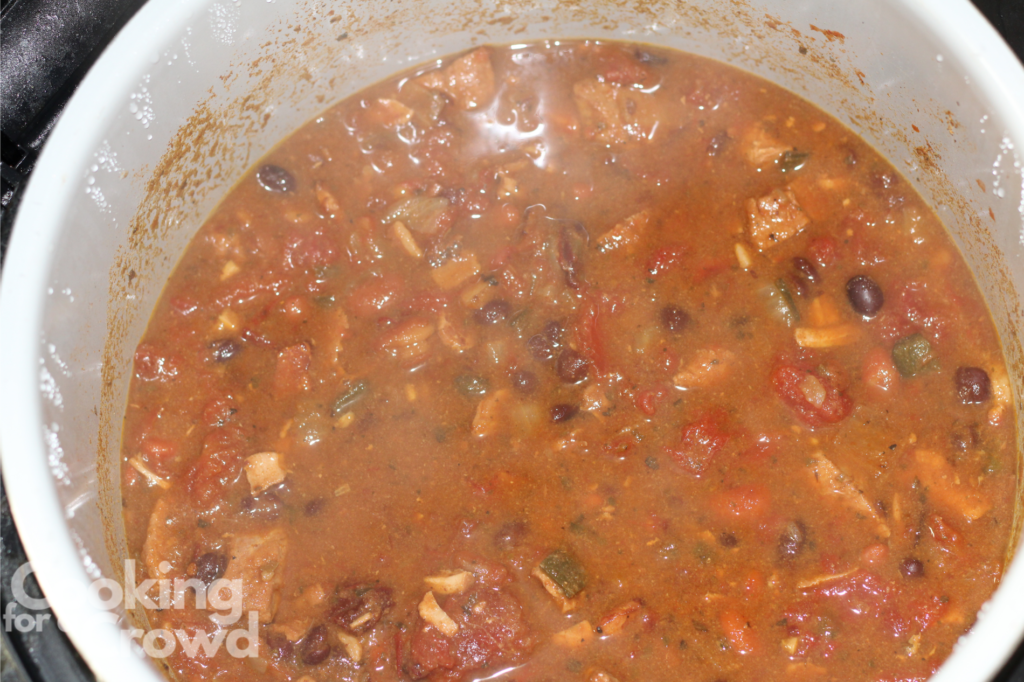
(752, 509)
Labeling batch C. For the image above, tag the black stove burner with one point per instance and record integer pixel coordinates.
(46, 48)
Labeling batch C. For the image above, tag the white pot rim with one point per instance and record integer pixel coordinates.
(30, 485)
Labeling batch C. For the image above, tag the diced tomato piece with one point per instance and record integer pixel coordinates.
(701, 440)
(158, 451)
(154, 364)
(219, 463)
(892, 325)
(647, 400)
(861, 593)
(219, 411)
(371, 297)
(879, 371)
(823, 251)
(741, 502)
(925, 611)
(916, 616)
(665, 258)
(738, 631)
(291, 373)
(491, 629)
(431, 651)
(812, 395)
(305, 250)
(810, 621)
(927, 306)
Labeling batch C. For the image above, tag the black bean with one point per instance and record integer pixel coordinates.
(543, 345)
(315, 648)
(263, 507)
(563, 412)
(553, 332)
(727, 540)
(798, 286)
(225, 349)
(275, 179)
(524, 381)
(572, 368)
(865, 295)
(314, 507)
(493, 312)
(510, 535)
(912, 568)
(360, 607)
(792, 540)
(972, 385)
(279, 645)
(210, 567)
(540, 347)
(807, 269)
(674, 318)
(965, 438)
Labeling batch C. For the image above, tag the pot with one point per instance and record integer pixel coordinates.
(194, 91)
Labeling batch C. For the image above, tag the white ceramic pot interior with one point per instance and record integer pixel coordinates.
(193, 92)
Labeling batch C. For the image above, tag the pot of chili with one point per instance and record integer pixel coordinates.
(192, 93)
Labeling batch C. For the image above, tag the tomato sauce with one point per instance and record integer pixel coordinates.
(573, 360)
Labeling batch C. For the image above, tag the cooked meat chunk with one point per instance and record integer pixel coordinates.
(613, 114)
(774, 218)
(468, 81)
(257, 560)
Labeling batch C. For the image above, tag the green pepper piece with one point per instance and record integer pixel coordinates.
(912, 354)
(786, 305)
(564, 571)
(354, 391)
(792, 160)
(470, 384)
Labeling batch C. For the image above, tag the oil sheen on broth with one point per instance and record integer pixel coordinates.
(573, 361)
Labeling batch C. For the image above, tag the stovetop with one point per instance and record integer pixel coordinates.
(46, 47)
